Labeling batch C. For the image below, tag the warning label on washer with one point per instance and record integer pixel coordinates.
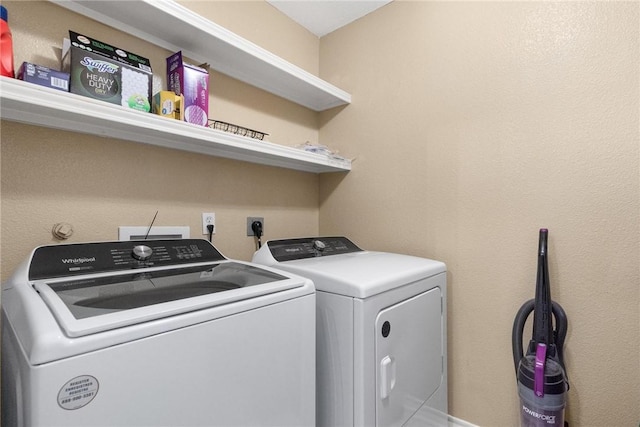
(78, 392)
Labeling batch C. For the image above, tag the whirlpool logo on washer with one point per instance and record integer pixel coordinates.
(78, 260)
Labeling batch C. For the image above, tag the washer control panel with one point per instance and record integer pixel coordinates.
(309, 247)
(88, 258)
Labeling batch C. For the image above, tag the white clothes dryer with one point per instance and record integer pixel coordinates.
(155, 333)
(381, 329)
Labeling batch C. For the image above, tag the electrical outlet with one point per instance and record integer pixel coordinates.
(250, 220)
(208, 218)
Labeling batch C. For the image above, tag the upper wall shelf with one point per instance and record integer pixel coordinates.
(172, 26)
(37, 105)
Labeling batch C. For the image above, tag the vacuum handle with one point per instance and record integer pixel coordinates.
(542, 322)
(542, 242)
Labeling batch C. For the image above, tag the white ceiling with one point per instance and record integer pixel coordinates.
(324, 16)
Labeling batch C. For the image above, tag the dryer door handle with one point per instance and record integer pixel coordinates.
(387, 376)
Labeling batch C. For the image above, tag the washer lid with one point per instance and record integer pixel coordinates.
(90, 304)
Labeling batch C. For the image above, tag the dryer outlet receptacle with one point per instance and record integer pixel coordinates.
(250, 220)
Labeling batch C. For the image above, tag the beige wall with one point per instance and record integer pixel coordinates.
(97, 184)
(262, 24)
(473, 125)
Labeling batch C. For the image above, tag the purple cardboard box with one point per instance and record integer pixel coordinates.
(193, 83)
(43, 76)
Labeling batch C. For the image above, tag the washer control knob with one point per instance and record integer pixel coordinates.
(319, 245)
(142, 252)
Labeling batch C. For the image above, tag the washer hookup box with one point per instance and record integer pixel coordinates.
(101, 71)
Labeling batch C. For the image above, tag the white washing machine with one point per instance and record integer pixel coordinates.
(155, 333)
(381, 330)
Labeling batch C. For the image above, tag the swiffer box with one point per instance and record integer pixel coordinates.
(101, 71)
(193, 83)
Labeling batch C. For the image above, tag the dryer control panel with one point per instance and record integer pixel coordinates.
(85, 258)
(310, 247)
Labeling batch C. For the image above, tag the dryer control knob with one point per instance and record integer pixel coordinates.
(142, 252)
(319, 245)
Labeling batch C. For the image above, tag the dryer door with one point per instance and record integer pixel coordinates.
(409, 356)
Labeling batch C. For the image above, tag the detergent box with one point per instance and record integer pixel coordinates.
(44, 76)
(167, 104)
(193, 83)
(101, 71)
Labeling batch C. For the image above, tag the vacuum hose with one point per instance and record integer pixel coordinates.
(518, 329)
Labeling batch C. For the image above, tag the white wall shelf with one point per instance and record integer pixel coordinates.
(172, 26)
(37, 105)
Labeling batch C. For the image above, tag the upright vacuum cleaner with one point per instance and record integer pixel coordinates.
(542, 380)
